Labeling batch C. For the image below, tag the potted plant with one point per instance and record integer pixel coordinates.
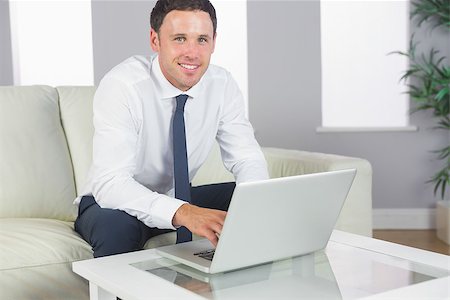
(429, 89)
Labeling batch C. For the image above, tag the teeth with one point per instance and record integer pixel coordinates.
(189, 67)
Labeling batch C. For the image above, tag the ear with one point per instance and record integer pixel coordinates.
(154, 40)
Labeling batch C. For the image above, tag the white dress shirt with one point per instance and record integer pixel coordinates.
(132, 163)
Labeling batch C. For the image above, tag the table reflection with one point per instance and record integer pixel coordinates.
(308, 276)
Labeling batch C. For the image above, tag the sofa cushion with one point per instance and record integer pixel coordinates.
(36, 177)
(29, 243)
(36, 257)
(76, 117)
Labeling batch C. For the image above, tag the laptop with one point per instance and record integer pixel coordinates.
(270, 220)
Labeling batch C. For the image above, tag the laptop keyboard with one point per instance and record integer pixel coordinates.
(207, 254)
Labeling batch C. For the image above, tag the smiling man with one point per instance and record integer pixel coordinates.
(156, 119)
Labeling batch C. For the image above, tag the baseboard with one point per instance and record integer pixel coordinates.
(414, 218)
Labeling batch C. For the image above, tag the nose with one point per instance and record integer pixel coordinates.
(191, 50)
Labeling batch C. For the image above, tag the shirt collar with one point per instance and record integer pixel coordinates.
(166, 89)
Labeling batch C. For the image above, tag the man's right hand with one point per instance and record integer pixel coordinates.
(200, 221)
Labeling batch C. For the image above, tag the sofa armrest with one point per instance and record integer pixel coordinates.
(356, 215)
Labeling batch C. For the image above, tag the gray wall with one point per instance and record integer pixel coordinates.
(285, 106)
(120, 29)
(6, 73)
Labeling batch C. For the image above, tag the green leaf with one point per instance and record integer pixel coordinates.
(444, 183)
(441, 94)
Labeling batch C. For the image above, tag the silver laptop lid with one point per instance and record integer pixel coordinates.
(279, 218)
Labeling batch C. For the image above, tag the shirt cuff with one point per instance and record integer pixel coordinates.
(163, 210)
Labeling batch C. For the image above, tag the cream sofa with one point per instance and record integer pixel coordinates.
(45, 153)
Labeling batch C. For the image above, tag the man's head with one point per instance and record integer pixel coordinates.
(183, 33)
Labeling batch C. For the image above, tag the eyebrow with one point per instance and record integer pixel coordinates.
(206, 36)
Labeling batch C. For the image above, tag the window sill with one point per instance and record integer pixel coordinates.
(366, 129)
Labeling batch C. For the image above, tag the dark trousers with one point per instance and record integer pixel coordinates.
(112, 231)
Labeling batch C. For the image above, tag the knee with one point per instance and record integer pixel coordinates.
(115, 232)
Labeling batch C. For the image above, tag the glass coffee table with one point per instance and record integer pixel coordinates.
(350, 267)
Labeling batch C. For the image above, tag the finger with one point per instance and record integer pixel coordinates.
(212, 237)
(216, 228)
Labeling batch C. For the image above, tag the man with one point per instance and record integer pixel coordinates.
(134, 190)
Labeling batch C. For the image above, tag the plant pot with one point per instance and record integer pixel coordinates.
(443, 221)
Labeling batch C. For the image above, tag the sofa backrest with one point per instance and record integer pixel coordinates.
(36, 176)
(76, 118)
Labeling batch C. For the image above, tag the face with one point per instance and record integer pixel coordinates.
(184, 43)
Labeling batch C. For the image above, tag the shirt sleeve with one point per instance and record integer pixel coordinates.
(241, 154)
(114, 159)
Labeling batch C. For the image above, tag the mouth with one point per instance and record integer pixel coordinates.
(189, 66)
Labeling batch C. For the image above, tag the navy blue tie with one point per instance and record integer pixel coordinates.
(180, 163)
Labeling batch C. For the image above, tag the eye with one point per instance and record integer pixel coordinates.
(202, 40)
(180, 39)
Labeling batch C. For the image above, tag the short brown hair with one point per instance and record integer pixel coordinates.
(163, 7)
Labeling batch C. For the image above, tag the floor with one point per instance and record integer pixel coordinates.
(423, 239)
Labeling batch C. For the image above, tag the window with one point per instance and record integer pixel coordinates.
(360, 81)
(52, 42)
